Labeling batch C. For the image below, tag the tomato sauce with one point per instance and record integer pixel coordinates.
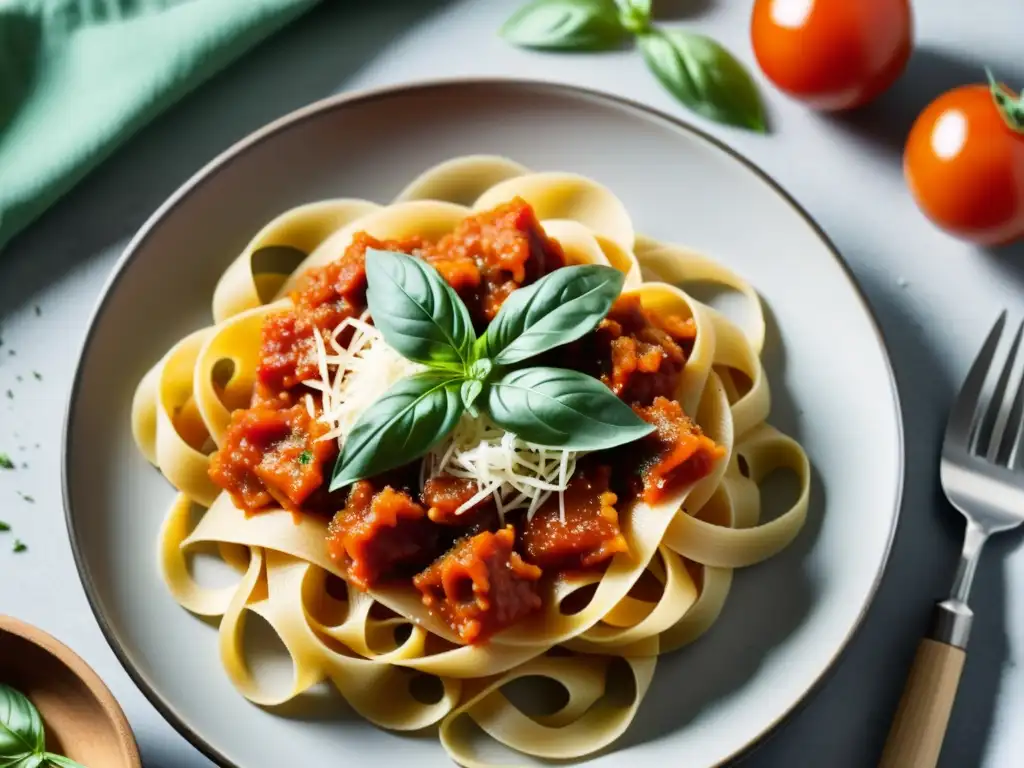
(476, 571)
(272, 455)
(380, 532)
(481, 586)
(675, 454)
(589, 535)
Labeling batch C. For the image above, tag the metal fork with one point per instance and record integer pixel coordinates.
(981, 473)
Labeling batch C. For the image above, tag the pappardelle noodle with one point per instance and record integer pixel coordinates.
(477, 556)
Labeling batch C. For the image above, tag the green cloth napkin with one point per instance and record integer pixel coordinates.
(77, 77)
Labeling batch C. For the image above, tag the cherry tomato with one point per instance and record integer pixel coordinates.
(832, 54)
(964, 164)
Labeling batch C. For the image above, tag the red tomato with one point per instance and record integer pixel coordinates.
(832, 54)
(964, 165)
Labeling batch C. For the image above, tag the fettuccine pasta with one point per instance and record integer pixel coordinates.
(658, 583)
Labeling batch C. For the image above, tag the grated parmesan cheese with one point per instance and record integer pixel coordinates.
(515, 473)
(352, 377)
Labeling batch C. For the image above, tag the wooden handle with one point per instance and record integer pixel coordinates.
(915, 738)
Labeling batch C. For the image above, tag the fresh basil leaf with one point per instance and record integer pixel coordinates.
(21, 727)
(470, 391)
(61, 762)
(404, 423)
(566, 25)
(704, 76)
(417, 312)
(559, 308)
(562, 409)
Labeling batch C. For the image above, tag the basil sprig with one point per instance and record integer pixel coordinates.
(22, 735)
(421, 317)
(698, 71)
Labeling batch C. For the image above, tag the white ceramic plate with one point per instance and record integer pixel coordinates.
(785, 622)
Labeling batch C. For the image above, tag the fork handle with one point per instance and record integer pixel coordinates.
(915, 738)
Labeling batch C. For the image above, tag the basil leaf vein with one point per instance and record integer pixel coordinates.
(21, 728)
(559, 308)
(403, 424)
(417, 312)
(704, 76)
(566, 25)
(563, 409)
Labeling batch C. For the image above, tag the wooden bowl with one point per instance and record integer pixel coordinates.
(82, 719)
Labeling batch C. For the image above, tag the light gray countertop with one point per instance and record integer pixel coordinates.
(935, 299)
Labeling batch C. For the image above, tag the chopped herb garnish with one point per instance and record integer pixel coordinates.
(4, 527)
(18, 377)
(26, 497)
(10, 394)
(38, 375)
(5, 461)
(10, 352)
(305, 457)
(24, 465)
(39, 310)
(19, 545)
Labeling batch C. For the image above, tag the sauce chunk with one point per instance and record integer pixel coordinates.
(481, 585)
(489, 255)
(645, 353)
(272, 455)
(677, 453)
(590, 534)
(380, 535)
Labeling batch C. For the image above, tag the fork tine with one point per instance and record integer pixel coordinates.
(1010, 452)
(1003, 398)
(962, 419)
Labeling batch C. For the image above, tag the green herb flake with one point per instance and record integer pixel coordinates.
(4, 527)
(38, 375)
(26, 497)
(10, 352)
(10, 394)
(305, 457)
(38, 310)
(20, 546)
(5, 461)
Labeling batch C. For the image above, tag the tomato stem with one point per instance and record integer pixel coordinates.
(1010, 107)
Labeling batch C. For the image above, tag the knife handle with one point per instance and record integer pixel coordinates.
(915, 738)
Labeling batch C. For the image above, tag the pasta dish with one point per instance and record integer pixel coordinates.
(464, 442)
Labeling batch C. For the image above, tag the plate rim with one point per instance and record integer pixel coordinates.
(364, 95)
